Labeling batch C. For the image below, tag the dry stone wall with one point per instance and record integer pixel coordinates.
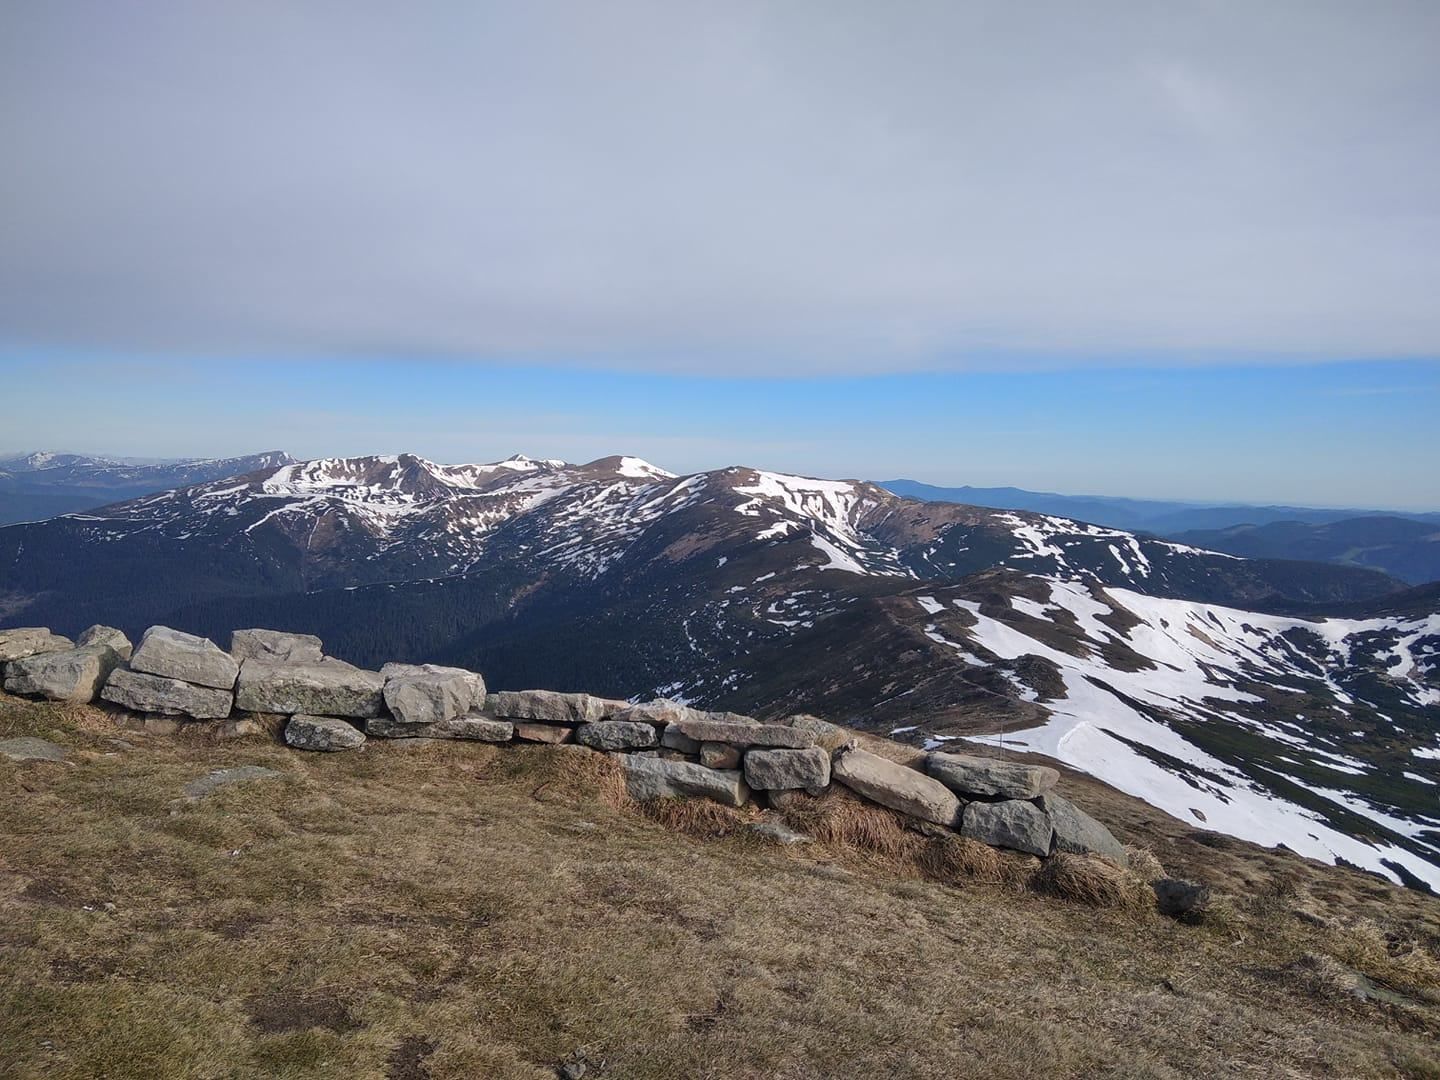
(666, 749)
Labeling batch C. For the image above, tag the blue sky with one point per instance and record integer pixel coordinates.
(1349, 434)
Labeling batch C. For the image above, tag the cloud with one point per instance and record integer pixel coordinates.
(770, 189)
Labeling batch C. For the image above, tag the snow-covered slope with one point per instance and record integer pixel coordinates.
(1276, 730)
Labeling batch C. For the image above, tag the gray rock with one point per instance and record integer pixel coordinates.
(240, 728)
(655, 778)
(672, 738)
(892, 784)
(174, 655)
(617, 735)
(743, 734)
(659, 712)
(773, 829)
(1013, 823)
(428, 697)
(828, 735)
(213, 781)
(718, 755)
(551, 706)
(106, 635)
(1076, 831)
(329, 688)
(1180, 899)
(322, 733)
(475, 728)
(72, 675)
(25, 641)
(970, 775)
(150, 725)
(473, 679)
(140, 692)
(259, 644)
(29, 748)
(781, 770)
(554, 734)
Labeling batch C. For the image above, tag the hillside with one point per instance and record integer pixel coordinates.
(1400, 547)
(436, 910)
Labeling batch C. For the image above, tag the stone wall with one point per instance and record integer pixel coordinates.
(665, 748)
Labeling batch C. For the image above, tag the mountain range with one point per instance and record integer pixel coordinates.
(42, 483)
(1275, 700)
(1402, 544)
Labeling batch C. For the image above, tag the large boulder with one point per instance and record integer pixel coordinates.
(672, 738)
(660, 712)
(649, 778)
(175, 655)
(25, 641)
(73, 675)
(140, 692)
(891, 784)
(1013, 823)
(743, 733)
(329, 688)
(107, 635)
(259, 644)
(1078, 832)
(617, 735)
(828, 735)
(477, 728)
(780, 770)
(978, 776)
(322, 733)
(417, 695)
(551, 706)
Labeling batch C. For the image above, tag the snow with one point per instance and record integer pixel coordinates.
(640, 469)
(836, 559)
(1090, 726)
(930, 604)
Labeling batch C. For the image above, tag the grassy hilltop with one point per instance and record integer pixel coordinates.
(444, 910)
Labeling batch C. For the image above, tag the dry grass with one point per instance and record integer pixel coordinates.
(1144, 864)
(1092, 880)
(957, 860)
(450, 911)
(698, 817)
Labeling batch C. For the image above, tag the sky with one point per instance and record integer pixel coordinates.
(1185, 251)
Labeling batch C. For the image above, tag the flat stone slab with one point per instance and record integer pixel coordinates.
(106, 635)
(474, 728)
(660, 712)
(743, 734)
(212, 782)
(892, 784)
(828, 735)
(75, 675)
(779, 770)
(329, 688)
(672, 738)
(1014, 824)
(1078, 832)
(617, 735)
(979, 776)
(257, 644)
(139, 692)
(655, 778)
(779, 832)
(554, 734)
(172, 654)
(325, 733)
(24, 641)
(30, 748)
(429, 694)
(552, 706)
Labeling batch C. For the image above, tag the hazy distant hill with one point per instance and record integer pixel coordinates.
(1402, 548)
(1149, 515)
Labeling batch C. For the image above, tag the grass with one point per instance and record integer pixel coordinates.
(459, 911)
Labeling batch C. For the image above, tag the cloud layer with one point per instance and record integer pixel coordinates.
(773, 188)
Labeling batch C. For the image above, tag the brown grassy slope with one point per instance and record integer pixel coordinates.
(446, 910)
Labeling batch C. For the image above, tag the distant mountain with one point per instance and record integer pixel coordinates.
(1402, 548)
(43, 484)
(1146, 515)
(769, 593)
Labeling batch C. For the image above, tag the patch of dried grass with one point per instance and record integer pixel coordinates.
(956, 860)
(1144, 864)
(1093, 881)
(841, 819)
(565, 772)
(700, 818)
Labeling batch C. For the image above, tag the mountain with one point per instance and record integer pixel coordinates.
(1403, 548)
(768, 593)
(1147, 515)
(43, 484)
